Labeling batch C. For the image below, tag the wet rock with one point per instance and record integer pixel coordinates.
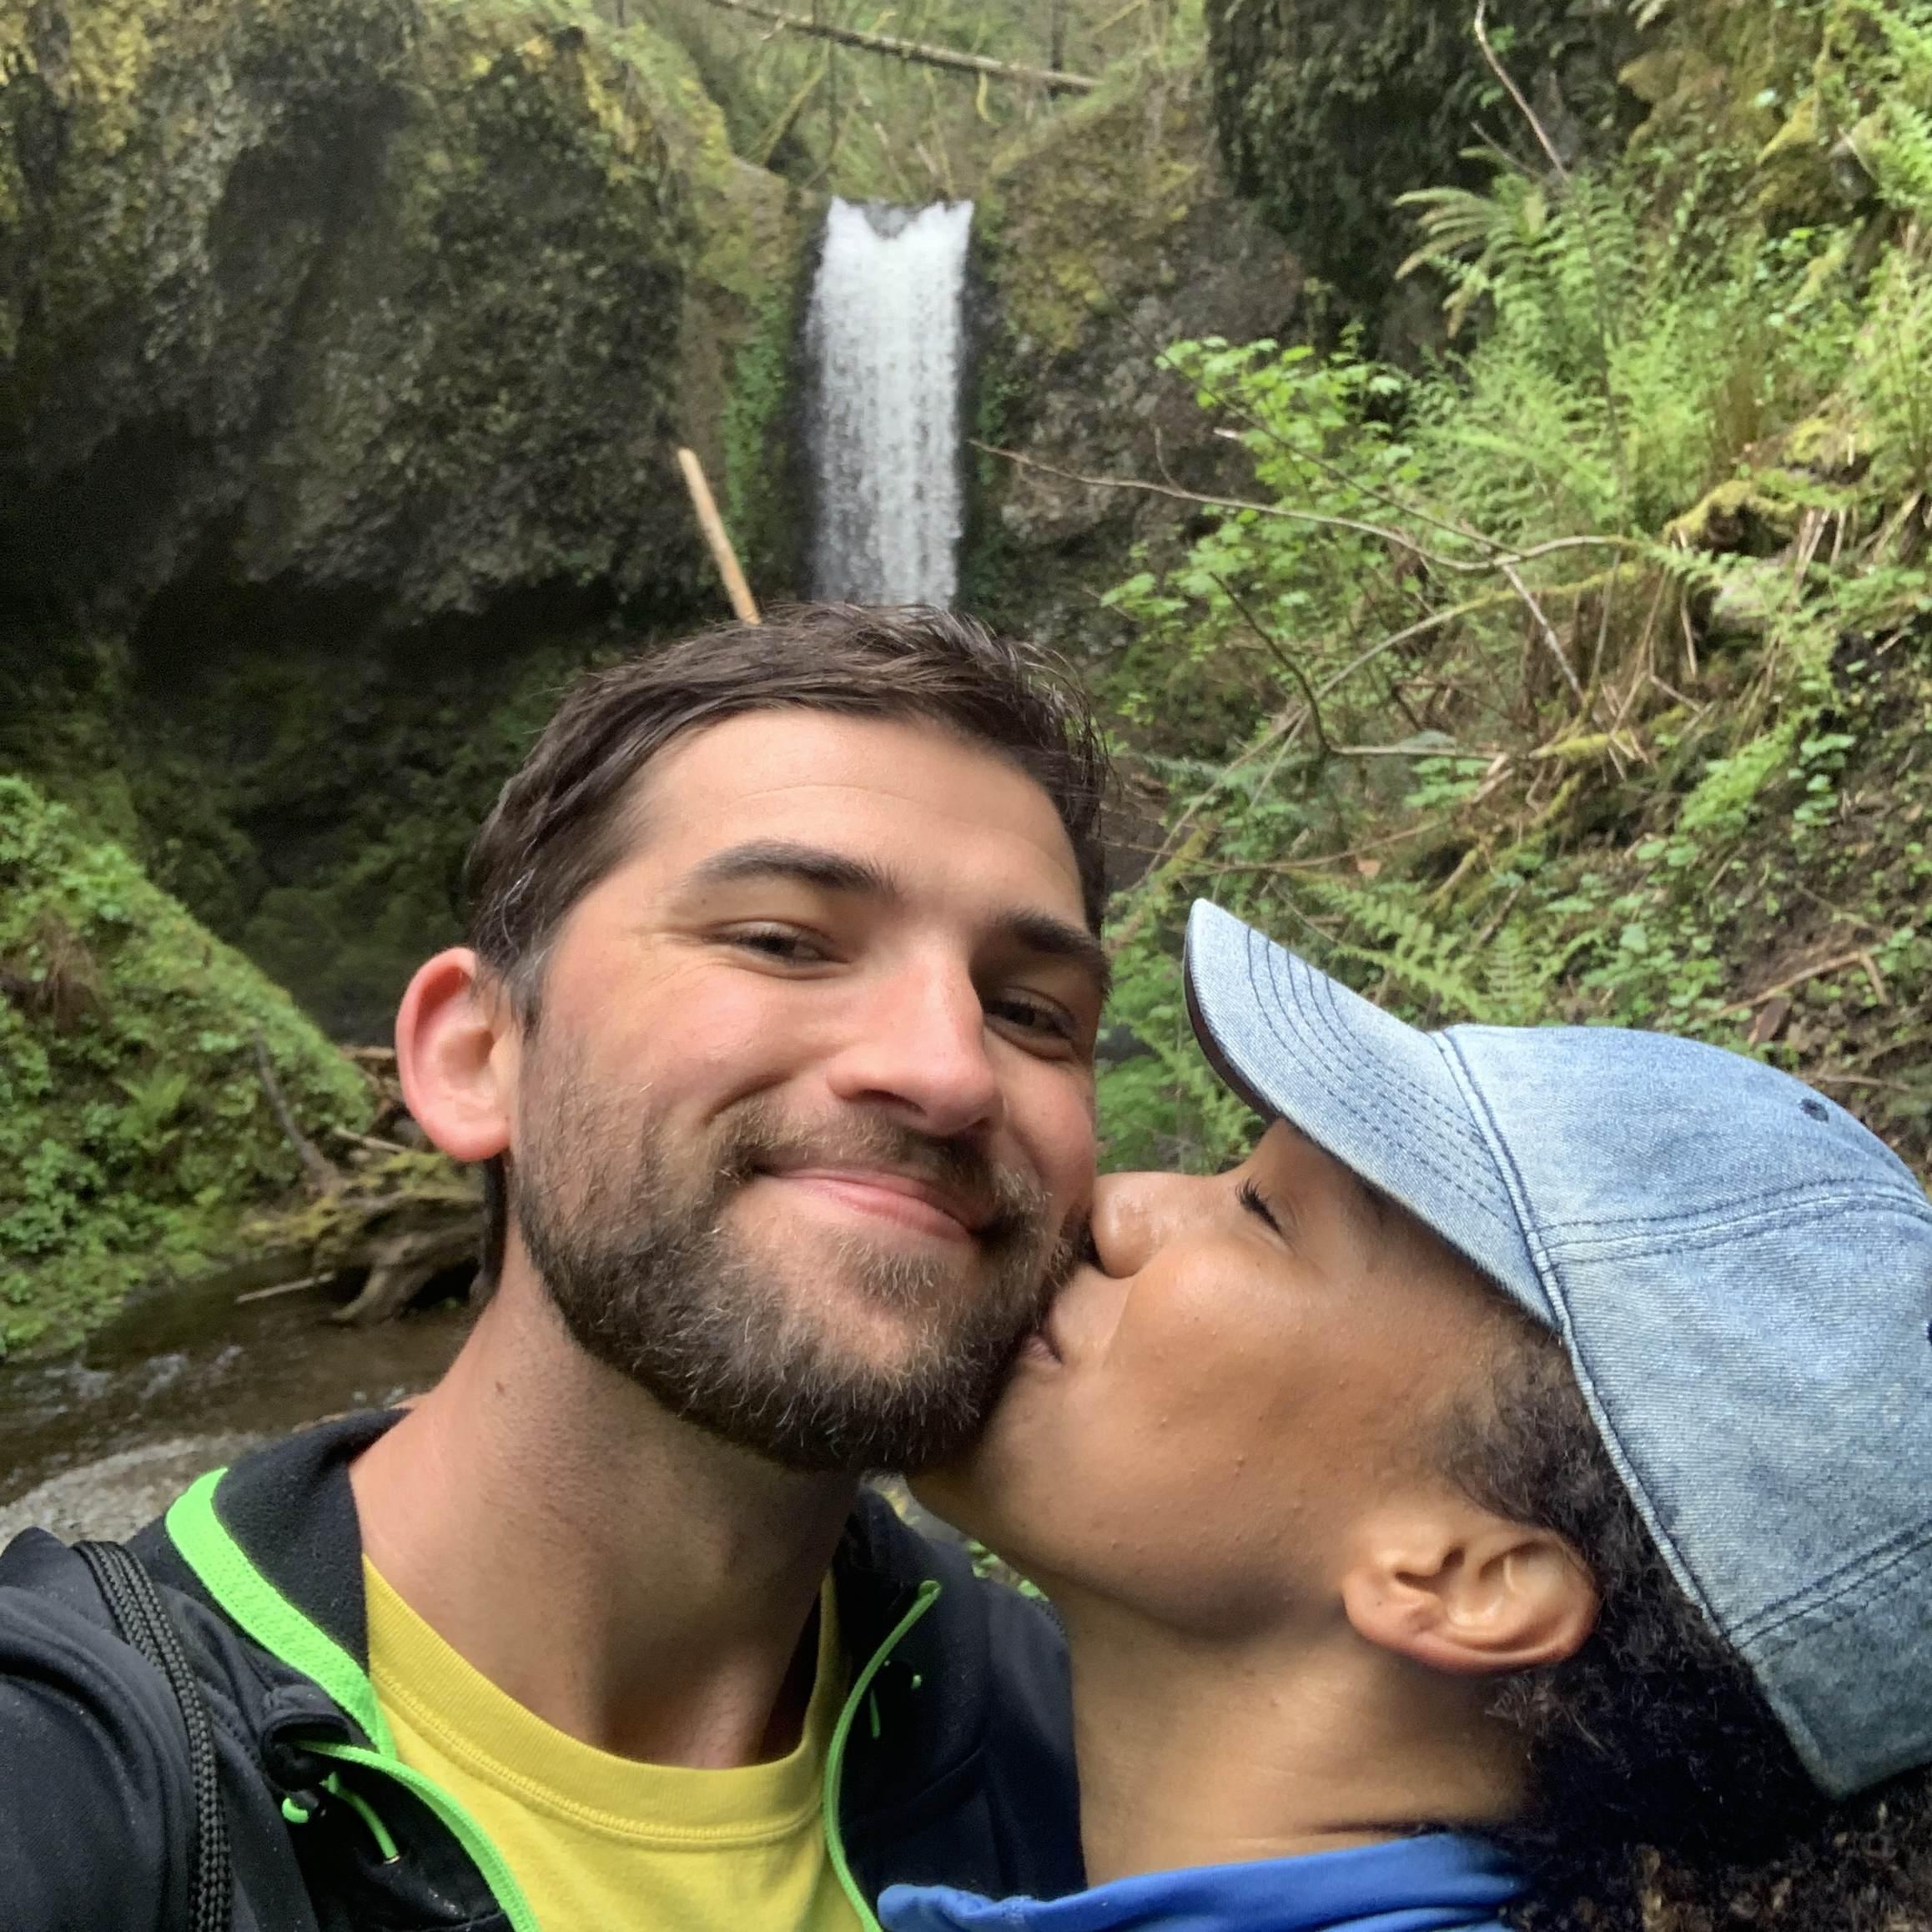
(115, 1496)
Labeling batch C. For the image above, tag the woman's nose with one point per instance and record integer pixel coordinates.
(1136, 1214)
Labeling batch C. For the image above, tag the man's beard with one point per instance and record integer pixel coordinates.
(635, 1249)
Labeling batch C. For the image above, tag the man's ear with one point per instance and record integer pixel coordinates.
(456, 1050)
(1468, 1594)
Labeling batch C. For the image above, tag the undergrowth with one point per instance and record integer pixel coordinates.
(135, 1126)
(1582, 675)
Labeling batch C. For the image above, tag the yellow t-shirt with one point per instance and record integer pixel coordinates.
(605, 1844)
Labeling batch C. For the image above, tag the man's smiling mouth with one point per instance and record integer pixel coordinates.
(911, 1202)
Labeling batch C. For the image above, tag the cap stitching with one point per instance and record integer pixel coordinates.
(1690, 1233)
(1323, 1006)
(1848, 1187)
(1307, 1039)
(1392, 1094)
(1763, 1625)
(1316, 1023)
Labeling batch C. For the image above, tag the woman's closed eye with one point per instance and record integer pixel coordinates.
(1252, 1199)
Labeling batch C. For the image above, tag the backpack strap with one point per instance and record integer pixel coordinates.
(143, 1622)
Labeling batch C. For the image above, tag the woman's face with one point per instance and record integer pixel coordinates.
(1216, 1414)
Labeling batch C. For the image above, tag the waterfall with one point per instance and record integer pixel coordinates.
(886, 337)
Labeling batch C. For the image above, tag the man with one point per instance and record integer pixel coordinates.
(775, 1035)
(1505, 1496)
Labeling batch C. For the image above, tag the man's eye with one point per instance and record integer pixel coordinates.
(778, 943)
(1037, 1017)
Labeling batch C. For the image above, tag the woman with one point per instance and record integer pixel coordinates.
(1505, 1497)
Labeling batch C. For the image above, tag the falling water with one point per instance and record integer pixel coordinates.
(887, 344)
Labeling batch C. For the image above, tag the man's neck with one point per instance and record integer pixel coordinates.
(634, 1581)
(1197, 1754)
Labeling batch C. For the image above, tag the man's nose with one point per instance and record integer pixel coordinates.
(1135, 1214)
(920, 1053)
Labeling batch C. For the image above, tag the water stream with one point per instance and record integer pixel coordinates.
(182, 1382)
(887, 337)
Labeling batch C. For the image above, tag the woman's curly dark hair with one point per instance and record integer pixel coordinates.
(1664, 1795)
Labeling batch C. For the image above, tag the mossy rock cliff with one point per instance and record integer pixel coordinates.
(135, 1126)
(1328, 110)
(1106, 234)
(343, 349)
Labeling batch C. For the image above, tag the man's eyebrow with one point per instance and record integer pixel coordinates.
(814, 865)
(839, 872)
(1061, 939)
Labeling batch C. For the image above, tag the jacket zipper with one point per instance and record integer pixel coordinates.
(835, 1754)
(470, 1835)
(234, 1583)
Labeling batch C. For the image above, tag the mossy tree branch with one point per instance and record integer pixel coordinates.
(1052, 79)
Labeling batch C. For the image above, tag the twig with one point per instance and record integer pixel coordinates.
(1048, 77)
(1837, 912)
(1279, 653)
(1381, 531)
(283, 1288)
(1516, 93)
(1860, 957)
(325, 1177)
(744, 608)
(1323, 860)
(370, 1140)
(1546, 629)
(1414, 751)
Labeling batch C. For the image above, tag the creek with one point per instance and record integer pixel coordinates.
(181, 1382)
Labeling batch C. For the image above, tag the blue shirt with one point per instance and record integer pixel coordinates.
(1409, 1884)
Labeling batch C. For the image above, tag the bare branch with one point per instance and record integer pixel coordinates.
(928, 56)
(1480, 567)
(1516, 93)
(1278, 652)
(1544, 629)
(324, 1176)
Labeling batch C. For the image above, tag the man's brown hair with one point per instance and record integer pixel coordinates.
(562, 823)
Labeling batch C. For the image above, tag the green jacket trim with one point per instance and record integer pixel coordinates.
(835, 1754)
(196, 1529)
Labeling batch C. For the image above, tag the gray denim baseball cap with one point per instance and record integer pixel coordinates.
(1742, 1275)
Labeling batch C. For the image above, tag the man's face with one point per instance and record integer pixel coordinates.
(808, 1110)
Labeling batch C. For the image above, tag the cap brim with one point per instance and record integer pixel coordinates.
(1384, 1098)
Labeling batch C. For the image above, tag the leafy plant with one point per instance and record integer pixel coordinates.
(1578, 675)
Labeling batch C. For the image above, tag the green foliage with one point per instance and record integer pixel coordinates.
(134, 1129)
(1580, 674)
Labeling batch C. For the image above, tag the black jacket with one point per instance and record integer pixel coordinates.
(952, 1762)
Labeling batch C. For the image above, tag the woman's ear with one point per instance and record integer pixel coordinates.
(456, 1050)
(1461, 1590)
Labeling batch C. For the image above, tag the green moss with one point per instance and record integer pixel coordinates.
(133, 1124)
(743, 360)
(1078, 211)
(379, 295)
(344, 351)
